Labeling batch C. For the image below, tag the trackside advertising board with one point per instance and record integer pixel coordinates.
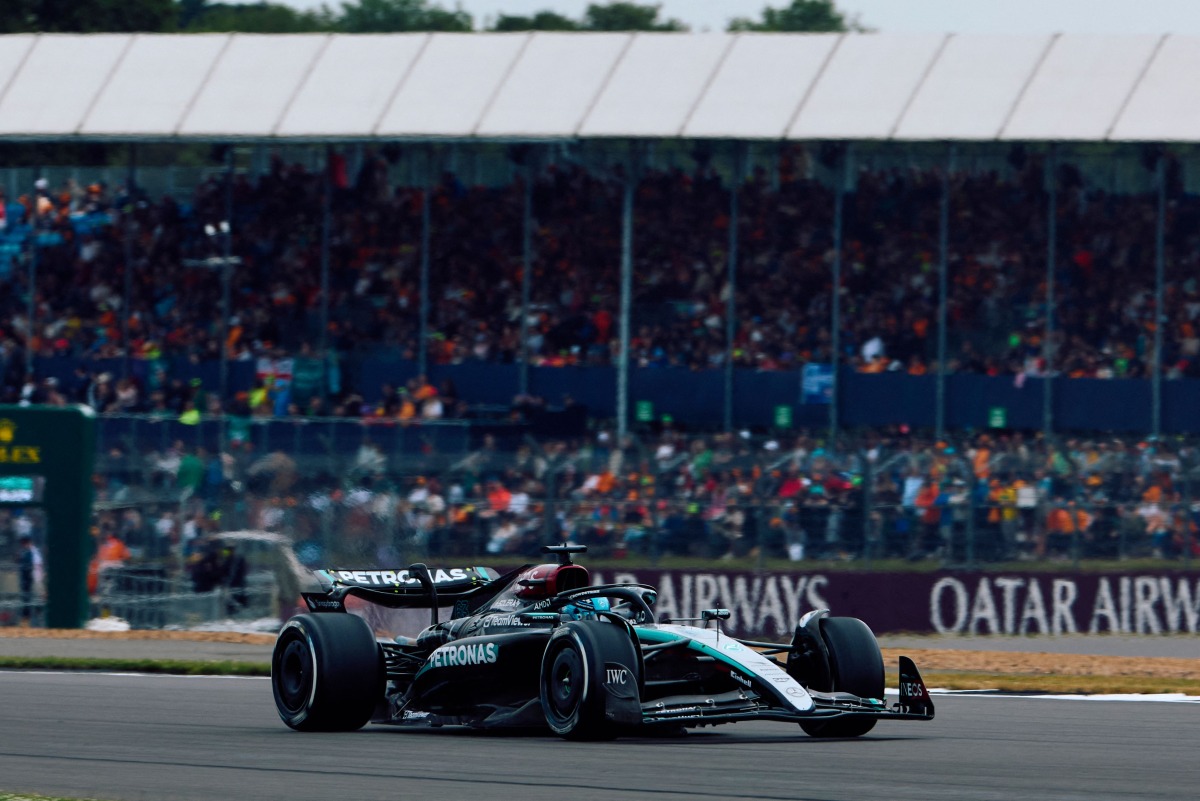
(768, 604)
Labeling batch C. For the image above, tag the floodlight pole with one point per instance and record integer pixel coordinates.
(840, 181)
(226, 269)
(735, 185)
(326, 235)
(31, 311)
(1051, 247)
(631, 177)
(943, 268)
(127, 219)
(423, 334)
(1160, 318)
(526, 273)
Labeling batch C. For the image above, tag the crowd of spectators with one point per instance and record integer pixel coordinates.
(887, 494)
(1104, 324)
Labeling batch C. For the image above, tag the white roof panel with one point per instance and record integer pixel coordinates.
(866, 86)
(656, 85)
(143, 98)
(252, 85)
(1073, 87)
(1080, 87)
(336, 100)
(740, 103)
(1166, 104)
(973, 87)
(450, 87)
(13, 50)
(553, 85)
(57, 83)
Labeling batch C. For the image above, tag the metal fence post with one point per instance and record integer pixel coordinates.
(1187, 513)
(1159, 313)
(326, 239)
(835, 301)
(868, 501)
(526, 272)
(128, 225)
(972, 483)
(1051, 246)
(1076, 544)
(1121, 544)
(735, 186)
(762, 526)
(426, 236)
(943, 268)
(631, 179)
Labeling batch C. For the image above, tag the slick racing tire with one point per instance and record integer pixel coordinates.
(573, 674)
(326, 672)
(856, 666)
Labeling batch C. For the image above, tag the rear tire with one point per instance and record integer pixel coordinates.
(856, 666)
(571, 686)
(326, 673)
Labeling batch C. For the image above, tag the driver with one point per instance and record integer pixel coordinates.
(586, 608)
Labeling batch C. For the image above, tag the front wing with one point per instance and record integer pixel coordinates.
(746, 704)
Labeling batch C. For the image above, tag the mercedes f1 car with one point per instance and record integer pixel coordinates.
(540, 646)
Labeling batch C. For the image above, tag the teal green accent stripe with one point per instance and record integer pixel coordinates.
(656, 636)
(713, 652)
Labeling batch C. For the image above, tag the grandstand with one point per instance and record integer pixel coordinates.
(584, 99)
(540, 227)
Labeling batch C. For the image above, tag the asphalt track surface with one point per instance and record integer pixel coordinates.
(156, 738)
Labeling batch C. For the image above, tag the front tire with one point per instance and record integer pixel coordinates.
(855, 666)
(573, 675)
(326, 673)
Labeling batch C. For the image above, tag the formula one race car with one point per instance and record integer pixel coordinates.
(540, 647)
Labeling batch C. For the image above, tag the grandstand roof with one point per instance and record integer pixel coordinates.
(565, 86)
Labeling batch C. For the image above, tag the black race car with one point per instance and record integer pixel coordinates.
(540, 646)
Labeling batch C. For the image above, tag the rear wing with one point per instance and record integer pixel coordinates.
(411, 587)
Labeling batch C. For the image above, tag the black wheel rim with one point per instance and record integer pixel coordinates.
(565, 683)
(295, 675)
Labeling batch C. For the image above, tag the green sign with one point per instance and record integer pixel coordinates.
(783, 416)
(997, 417)
(46, 456)
(644, 412)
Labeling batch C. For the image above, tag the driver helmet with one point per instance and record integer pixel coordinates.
(586, 608)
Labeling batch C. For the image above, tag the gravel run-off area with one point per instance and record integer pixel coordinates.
(1029, 662)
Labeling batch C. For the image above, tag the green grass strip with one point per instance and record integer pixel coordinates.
(32, 797)
(179, 667)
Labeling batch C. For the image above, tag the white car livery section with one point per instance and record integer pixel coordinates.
(754, 663)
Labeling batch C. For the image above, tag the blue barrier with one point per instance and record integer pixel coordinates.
(697, 398)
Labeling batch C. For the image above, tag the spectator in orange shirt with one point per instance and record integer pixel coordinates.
(498, 497)
(111, 551)
(1064, 522)
(422, 389)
